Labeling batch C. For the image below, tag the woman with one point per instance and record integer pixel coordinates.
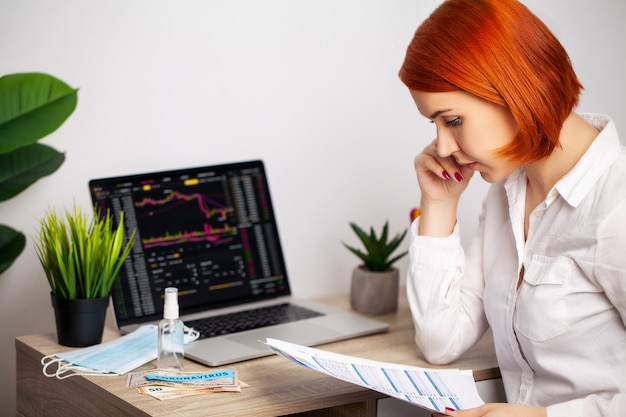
(547, 269)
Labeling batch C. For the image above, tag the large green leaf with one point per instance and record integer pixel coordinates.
(32, 105)
(12, 243)
(22, 167)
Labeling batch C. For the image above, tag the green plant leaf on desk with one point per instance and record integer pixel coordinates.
(24, 166)
(12, 243)
(378, 250)
(32, 105)
(81, 257)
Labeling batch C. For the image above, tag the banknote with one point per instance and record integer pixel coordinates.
(164, 393)
(137, 379)
(167, 385)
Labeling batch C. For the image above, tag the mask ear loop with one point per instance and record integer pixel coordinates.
(65, 370)
(190, 334)
(48, 360)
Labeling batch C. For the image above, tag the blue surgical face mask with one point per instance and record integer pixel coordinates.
(116, 357)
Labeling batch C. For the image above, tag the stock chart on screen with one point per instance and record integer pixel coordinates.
(208, 231)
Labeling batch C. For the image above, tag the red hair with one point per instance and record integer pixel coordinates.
(499, 51)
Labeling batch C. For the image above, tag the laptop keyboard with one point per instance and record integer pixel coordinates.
(250, 319)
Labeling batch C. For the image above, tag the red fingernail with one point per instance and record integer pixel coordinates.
(445, 175)
(459, 178)
(450, 409)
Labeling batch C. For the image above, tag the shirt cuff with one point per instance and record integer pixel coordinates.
(435, 252)
(572, 408)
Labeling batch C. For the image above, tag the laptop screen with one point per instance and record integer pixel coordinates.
(208, 231)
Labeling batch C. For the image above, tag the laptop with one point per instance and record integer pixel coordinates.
(211, 232)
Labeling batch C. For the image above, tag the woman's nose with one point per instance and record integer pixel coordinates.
(446, 144)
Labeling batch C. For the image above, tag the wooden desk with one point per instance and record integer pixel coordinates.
(277, 386)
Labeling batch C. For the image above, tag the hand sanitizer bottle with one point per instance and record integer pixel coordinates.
(171, 334)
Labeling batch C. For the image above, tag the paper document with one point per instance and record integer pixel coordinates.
(432, 389)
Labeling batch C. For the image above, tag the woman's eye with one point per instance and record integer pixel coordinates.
(454, 122)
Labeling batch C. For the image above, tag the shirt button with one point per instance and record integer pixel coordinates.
(523, 394)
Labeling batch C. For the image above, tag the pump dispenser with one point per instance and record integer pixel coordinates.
(171, 334)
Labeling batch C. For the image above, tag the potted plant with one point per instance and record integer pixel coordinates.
(81, 257)
(375, 283)
(32, 105)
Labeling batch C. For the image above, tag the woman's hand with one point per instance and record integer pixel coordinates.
(441, 181)
(497, 410)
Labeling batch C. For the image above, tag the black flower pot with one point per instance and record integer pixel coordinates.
(79, 322)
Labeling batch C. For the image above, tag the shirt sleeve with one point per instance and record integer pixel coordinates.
(593, 405)
(445, 293)
(610, 265)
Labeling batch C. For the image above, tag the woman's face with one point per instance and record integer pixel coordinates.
(470, 130)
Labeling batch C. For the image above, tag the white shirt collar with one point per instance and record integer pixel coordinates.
(577, 183)
(602, 153)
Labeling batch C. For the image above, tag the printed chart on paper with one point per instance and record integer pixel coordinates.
(432, 389)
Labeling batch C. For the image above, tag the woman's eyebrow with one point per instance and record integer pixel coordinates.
(437, 113)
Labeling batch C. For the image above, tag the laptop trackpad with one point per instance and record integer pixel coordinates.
(303, 333)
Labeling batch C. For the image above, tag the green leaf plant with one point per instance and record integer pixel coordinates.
(81, 257)
(32, 105)
(378, 250)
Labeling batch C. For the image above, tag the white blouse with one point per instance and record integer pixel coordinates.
(561, 337)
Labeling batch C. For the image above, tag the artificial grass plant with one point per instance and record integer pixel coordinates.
(81, 256)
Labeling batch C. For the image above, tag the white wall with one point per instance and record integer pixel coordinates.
(309, 86)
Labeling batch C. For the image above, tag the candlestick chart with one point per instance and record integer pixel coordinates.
(178, 218)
